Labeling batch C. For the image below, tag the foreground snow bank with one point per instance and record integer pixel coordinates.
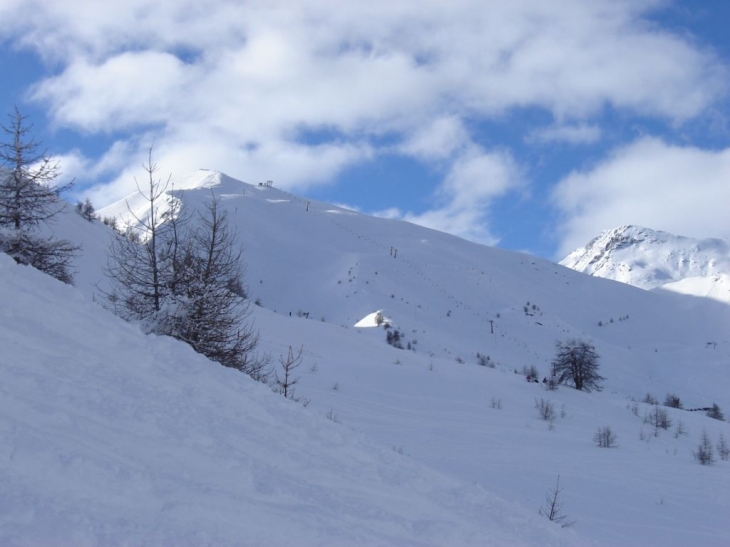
(112, 437)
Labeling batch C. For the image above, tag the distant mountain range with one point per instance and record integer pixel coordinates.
(651, 259)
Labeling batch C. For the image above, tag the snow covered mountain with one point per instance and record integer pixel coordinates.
(651, 259)
(114, 437)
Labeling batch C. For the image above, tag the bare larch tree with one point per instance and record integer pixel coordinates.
(29, 198)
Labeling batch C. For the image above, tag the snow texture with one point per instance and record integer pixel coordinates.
(112, 437)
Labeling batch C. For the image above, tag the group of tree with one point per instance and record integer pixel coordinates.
(182, 276)
(29, 199)
(86, 210)
(176, 275)
(705, 453)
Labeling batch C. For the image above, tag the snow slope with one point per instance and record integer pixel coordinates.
(111, 437)
(652, 259)
(434, 406)
(481, 425)
(452, 298)
(715, 286)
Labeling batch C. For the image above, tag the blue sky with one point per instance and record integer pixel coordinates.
(532, 126)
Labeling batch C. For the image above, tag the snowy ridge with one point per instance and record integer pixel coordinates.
(650, 259)
(136, 207)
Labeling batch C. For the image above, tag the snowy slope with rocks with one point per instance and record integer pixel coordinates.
(651, 259)
(436, 435)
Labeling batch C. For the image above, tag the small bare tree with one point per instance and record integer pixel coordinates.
(545, 409)
(680, 430)
(86, 210)
(673, 401)
(485, 360)
(605, 437)
(715, 413)
(553, 507)
(722, 448)
(135, 265)
(658, 418)
(286, 382)
(704, 453)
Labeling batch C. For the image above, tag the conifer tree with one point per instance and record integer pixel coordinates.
(29, 198)
(210, 298)
(135, 263)
(184, 277)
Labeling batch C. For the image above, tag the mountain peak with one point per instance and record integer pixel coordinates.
(649, 258)
(133, 208)
(204, 178)
(630, 234)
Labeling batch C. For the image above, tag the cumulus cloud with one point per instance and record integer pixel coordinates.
(476, 179)
(85, 171)
(572, 57)
(571, 134)
(129, 90)
(299, 166)
(438, 140)
(682, 190)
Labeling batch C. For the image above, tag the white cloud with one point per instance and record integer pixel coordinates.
(390, 212)
(570, 57)
(128, 90)
(232, 85)
(361, 67)
(288, 164)
(683, 190)
(437, 141)
(84, 171)
(476, 179)
(571, 134)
